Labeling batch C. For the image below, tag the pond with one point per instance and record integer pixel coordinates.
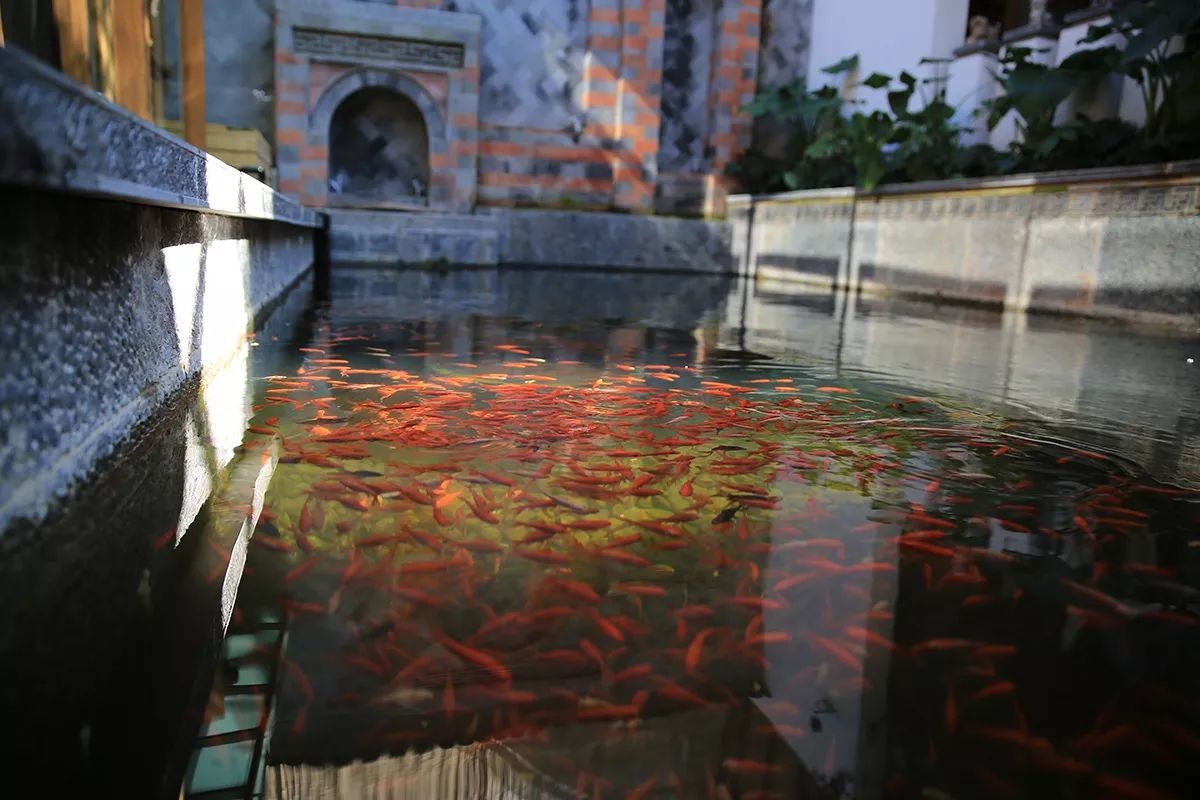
(563, 534)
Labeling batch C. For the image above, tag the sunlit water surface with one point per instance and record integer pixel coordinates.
(535, 534)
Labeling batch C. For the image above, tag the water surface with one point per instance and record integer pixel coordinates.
(546, 534)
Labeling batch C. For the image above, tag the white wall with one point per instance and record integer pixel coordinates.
(888, 35)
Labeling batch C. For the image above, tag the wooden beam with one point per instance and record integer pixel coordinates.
(191, 46)
(158, 105)
(105, 76)
(131, 55)
(74, 39)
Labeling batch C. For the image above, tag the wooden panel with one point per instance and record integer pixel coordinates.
(131, 55)
(74, 41)
(239, 147)
(191, 44)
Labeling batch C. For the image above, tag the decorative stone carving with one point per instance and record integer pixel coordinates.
(377, 48)
(1039, 15)
(981, 30)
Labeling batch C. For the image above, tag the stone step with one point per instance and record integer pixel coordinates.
(413, 238)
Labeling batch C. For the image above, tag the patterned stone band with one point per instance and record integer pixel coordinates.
(378, 48)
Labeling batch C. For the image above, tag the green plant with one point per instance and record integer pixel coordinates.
(905, 144)
(1161, 55)
(806, 115)
(1034, 91)
(926, 139)
(829, 147)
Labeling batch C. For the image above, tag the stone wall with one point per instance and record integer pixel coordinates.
(531, 237)
(131, 265)
(624, 104)
(782, 59)
(1116, 243)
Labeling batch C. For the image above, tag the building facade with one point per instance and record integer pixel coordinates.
(630, 105)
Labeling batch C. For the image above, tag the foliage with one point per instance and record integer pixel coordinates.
(830, 148)
(808, 116)
(832, 142)
(1034, 92)
(1166, 66)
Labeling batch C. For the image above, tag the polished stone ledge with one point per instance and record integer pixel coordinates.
(1131, 176)
(1116, 244)
(58, 135)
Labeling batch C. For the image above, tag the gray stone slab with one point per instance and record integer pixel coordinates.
(107, 310)
(1112, 243)
(57, 135)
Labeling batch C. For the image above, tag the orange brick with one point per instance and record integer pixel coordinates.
(599, 100)
(464, 120)
(290, 136)
(605, 43)
(604, 15)
(290, 107)
(590, 155)
(644, 147)
(488, 148)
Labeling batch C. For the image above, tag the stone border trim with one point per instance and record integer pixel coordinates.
(58, 135)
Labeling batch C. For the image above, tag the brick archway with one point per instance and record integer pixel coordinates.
(325, 54)
(387, 88)
(369, 78)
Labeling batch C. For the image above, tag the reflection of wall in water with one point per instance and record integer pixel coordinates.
(1083, 373)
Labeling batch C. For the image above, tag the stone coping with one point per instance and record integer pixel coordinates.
(1092, 12)
(1137, 174)
(375, 18)
(58, 135)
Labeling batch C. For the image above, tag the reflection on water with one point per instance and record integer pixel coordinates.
(539, 534)
(536, 534)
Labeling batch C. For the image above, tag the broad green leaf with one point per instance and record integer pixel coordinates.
(877, 80)
(845, 65)
(898, 101)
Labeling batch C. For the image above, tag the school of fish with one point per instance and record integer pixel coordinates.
(514, 545)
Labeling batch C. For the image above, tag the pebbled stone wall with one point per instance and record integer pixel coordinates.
(1113, 243)
(131, 265)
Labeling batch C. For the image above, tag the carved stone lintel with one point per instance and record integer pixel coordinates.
(377, 48)
(982, 35)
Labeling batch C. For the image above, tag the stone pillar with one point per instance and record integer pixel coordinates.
(637, 107)
(734, 77)
(1112, 96)
(969, 86)
(1040, 33)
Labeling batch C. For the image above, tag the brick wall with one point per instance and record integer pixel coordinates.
(568, 105)
(312, 81)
